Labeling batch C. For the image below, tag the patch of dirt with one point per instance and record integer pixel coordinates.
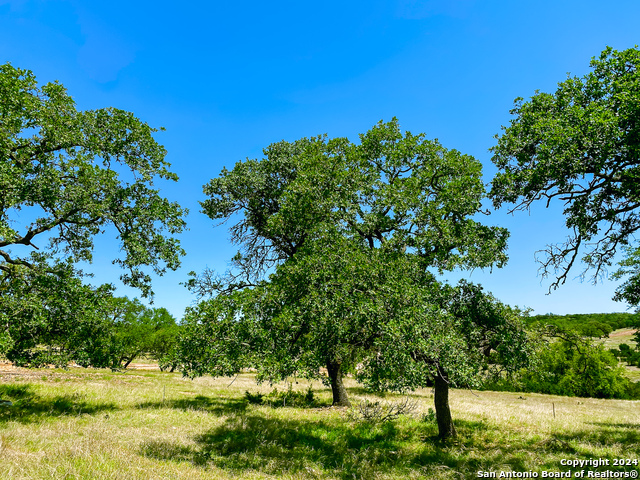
(9, 372)
(622, 333)
(143, 366)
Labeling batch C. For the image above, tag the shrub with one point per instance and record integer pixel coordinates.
(254, 398)
(573, 368)
(380, 412)
(285, 398)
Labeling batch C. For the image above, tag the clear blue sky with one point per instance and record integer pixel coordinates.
(228, 78)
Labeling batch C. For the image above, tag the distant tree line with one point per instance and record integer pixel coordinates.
(588, 324)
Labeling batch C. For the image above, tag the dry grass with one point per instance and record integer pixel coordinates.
(617, 337)
(88, 424)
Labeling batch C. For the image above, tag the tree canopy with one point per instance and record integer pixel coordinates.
(403, 192)
(579, 146)
(332, 235)
(138, 330)
(55, 319)
(66, 176)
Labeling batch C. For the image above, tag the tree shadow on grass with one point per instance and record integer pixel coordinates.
(277, 446)
(253, 442)
(607, 434)
(354, 391)
(29, 407)
(635, 426)
(308, 448)
(214, 405)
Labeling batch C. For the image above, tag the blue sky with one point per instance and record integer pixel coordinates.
(227, 79)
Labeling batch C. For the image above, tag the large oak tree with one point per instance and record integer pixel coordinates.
(66, 176)
(331, 236)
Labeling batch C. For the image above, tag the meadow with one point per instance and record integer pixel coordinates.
(617, 337)
(144, 424)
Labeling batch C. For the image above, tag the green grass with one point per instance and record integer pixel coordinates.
(615, 339)
(89, 424)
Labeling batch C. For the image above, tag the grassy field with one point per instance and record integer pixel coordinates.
(624, 335)
(95, 424)
(617, 337)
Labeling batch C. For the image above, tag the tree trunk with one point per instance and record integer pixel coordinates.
(443, 413)
(334, 369)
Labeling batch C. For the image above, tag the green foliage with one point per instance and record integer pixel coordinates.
(290, 398)
(462, 334)
(336, 240)
(253, 398)
(43, 328)
(571, 367)
(589, 325)
(629, 291)
(284, 398)
(81, 325)
(72, 174)
(140, 330)
(430, 416)
(625, 348)
(625, 353)
(579, 145)
(66, 176)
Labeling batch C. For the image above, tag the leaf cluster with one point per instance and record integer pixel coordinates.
(68, 175)
(460, 333)
(579, 146)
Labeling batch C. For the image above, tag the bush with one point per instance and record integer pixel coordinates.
(380, 412)
(285, 398)
(254, 398)
(572, 368)
(430, 416)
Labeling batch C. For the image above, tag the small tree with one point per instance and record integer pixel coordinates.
(163, 342)
(443, 336)
(140, 330)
